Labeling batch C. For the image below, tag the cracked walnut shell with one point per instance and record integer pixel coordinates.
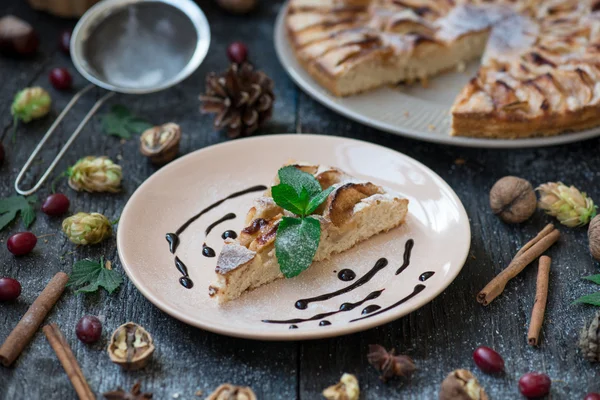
(228, 391)
(161, 143)
(460, 384)
(346, 389)
(131, 346)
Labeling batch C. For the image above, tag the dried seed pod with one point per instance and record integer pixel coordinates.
(131, 346)
(390, 364)
(594, 237)
(513, 199)
(228, 391)
(161, 143)
(346, 389)
(460, 384)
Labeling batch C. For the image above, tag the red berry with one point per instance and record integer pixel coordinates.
(10, 289)
(592, 396)
(64, 41)
(88, 329)
(534, 384)
(21, 243)
(237, 52)
(56, 204)
(488, 360)
(60, 78)
(1, 154)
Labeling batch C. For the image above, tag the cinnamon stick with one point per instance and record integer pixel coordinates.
(68, 361)
(543, 233)
(541, 297)
(533, 251)
(22, 334)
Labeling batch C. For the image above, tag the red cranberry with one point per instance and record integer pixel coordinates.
(488, 360)
(534, 384)
(21, 243)
(237, 52)
(88, 329)
(60, 78)
(10, 289)
(56, 204)
(1, 154)
(64, 41)
(592, 396)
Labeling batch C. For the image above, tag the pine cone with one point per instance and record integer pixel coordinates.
(241, 98)
(589, 340)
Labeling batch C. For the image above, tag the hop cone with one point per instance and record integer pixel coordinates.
(84, 228)
(31, 103)
(95, 174)
(570, 206)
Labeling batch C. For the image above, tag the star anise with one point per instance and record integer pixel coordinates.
(241, 98)
(390, 364)
(135, 394)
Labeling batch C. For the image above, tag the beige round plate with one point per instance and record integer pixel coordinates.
(411, 111)
(437, 222)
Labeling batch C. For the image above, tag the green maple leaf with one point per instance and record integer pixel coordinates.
(11, 206)
(90, 275)
(121, 123)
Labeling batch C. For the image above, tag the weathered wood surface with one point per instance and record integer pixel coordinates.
(440, 336)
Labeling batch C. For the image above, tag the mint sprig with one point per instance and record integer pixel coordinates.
(594, 298)
(91, 275)
(298, 237)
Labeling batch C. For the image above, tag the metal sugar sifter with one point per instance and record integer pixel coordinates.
(131, 47)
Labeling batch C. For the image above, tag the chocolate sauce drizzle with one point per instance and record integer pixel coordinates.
(407, 252)
(293, 327)
(173, 238)
(324, 323)
(418, 289)
(426, 275)
(227, 217)
(346, 275)
(343, 308)
(302, 304)
(370, 309)
(229, 235)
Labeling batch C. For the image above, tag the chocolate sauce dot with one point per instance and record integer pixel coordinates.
(346, 275)
(347, 307)
(301, 305)
(426, 275)
(324, 323)
(370, 309)
(293, 327)
(229, 235)
(208, 251)
(186, 282)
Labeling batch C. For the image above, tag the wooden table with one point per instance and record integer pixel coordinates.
(440, 336)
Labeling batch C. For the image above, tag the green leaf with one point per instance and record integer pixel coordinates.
(10, 206)
(296, 244)
(94, 275)
(298, 179)
(286, 197)
(316, 201)
(593, 278)
(121, 123)
(593, 299)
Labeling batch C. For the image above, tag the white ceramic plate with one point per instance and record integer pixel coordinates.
(411, 111)
(437, 222)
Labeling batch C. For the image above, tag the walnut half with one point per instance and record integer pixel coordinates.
(131, 346)
(228, 391)
(460, 384)
(346, 389)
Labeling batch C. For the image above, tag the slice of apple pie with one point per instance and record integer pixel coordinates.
(354, 211)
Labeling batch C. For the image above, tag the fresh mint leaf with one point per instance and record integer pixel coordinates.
(316, 201)
(121, 123)
(296, 244)
(298, 179)
(593, 278)
(287, 198)
(11, 206)
(94, 274)
(592, 299)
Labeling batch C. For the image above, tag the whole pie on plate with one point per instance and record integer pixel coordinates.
(540, 59)
(354, 211)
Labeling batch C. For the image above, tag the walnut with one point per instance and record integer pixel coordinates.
(594, 237)
(161, 143)
(230, 392)
(460, 384)
(131, 346)
(513, 199)
(346, 389)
